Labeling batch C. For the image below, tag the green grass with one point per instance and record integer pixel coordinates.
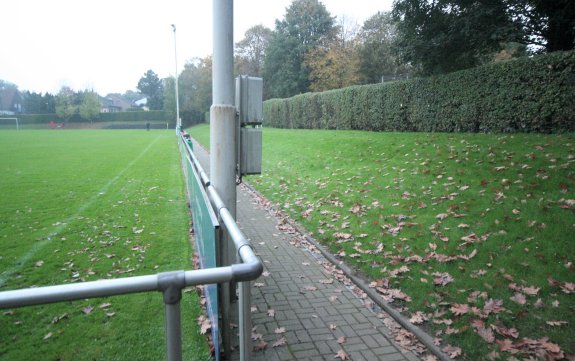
(86, 205)
(378, 201)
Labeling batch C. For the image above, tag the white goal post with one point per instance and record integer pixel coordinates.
(15, 119)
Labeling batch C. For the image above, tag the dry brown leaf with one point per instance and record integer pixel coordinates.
(418, 318)
(493, 306)
(341, 354)
(486, 334)
(459, 309)
(280, 330)
(442, 279)
(260, 346)
(518, 298)
(556, 323)
(442, 216)
(452, 351)
(341, 340)
(271, 312)
(280, 342)
(205, 326)
(531, 290)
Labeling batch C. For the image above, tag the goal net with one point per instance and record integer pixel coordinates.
(9, 123)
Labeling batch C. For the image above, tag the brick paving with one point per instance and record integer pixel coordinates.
(312, 310)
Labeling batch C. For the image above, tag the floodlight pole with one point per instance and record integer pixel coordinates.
(178, 121)
(223, 111)
(223, 144)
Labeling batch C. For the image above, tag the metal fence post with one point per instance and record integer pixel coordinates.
(245, 321)
(171, 284)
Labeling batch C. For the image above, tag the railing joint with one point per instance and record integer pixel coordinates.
(171, 285)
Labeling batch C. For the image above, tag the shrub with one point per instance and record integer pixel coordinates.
(531, 94)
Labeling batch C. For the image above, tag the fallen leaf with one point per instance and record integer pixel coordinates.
(418, 318)
(47, 336)
(506, 345)
(280, 342)
(332, 326)
(518, 298)
(452, 351)
(459, 309)
(341, 340)
(493, 306)
(568, 287)
(556, 323)
(87, 310)
(271, 313)
(59, 318)
(105, 305)
(205, 326)
(531, 290)
(442, 216)
(260, 346)
(341, 354)
(504, 331)
(280, 330)
(486, 334)
(442, 279)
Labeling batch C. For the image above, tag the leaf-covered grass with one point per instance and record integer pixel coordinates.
(86, 205)
(470, 234)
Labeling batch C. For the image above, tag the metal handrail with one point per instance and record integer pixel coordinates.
(245, 253)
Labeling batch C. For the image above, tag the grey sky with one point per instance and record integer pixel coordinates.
(108, 45)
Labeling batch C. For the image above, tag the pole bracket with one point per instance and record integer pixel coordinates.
(171, 285)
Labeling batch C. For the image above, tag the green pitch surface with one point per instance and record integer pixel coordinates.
(85, 205)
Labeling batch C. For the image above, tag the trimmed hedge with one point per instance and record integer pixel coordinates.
(534, 94)
(102, 117)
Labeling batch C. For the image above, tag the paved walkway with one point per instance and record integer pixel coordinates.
(300, 308)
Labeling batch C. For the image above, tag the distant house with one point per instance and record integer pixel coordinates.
(11, 101)
(142, 103)
(113, 103)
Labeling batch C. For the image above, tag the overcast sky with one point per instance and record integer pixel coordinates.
(107, 45)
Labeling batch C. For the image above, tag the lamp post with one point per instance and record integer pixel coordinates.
(178, 121)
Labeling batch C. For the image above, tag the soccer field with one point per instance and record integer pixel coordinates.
(85, 205)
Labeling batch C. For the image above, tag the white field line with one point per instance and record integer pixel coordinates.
(62, 226)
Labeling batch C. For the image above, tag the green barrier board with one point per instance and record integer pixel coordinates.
(206, 227)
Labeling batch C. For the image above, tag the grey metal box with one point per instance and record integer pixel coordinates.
(249, 98)
(251, 151)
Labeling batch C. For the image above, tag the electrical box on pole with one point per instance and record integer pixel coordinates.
(249, 104)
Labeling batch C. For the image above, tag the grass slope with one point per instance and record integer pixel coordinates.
(471, 235)
(86, 205)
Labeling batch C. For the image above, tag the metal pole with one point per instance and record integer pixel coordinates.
(173, 331)
(223, 138)
(245, 320)
(223, 111)
(176, 85)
